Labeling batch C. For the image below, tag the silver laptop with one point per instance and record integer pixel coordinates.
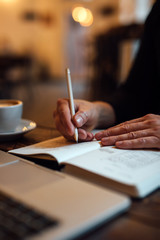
(38, 203)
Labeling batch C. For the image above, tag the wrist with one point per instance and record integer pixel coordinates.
(105, 114)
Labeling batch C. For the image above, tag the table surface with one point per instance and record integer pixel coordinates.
(142, 221)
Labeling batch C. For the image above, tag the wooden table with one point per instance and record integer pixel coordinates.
(142, 221)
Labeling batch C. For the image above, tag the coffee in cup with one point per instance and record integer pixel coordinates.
(10, 114)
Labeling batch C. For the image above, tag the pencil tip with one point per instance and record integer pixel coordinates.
(67, 70)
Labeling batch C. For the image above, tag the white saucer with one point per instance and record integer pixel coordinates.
(23, 127)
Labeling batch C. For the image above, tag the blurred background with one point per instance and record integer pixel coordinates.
(96, 39)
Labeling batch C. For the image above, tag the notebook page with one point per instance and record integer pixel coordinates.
(59, 148)
(126, 166)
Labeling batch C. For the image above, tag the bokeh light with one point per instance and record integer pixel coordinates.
(82, 15)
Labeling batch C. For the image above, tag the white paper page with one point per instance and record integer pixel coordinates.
(59, 148)
(126, 166)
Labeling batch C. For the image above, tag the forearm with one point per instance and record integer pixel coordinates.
(106, 114)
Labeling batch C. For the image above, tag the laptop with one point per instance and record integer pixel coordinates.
(39, 203)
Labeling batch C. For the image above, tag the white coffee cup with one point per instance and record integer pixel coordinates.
(10, 114)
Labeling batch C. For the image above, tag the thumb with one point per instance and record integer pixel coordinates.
(80, 118)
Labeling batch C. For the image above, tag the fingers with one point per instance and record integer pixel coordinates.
(84, 135)
(121, 129)
(66, 125)
(146, 142)
(133, 140)
(111, 140)
(146, 122)
(138, 133)
(63, 119)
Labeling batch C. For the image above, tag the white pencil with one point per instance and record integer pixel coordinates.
(70, 94)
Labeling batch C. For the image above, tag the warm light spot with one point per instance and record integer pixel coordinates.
(79, 14)
(24, 129)
(89, 19)
(32, 124)
(83, 16)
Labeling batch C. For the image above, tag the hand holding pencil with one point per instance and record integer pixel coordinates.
(74, 119)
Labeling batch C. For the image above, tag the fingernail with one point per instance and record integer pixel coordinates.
(79, 120)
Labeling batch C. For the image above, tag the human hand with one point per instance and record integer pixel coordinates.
(85, 119)
(142, 132)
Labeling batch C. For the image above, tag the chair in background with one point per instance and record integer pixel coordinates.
(114, 53)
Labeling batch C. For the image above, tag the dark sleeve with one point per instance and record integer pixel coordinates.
(141, 93)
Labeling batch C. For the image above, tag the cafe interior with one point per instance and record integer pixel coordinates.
(96, 39)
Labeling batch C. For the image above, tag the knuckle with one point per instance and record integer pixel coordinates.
(107, 133)
(156, 140)
(132, 135)
(125, 128)
(84, 115)
(142, 141)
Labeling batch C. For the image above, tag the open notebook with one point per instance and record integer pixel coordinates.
(135, 172)
(38, 203)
